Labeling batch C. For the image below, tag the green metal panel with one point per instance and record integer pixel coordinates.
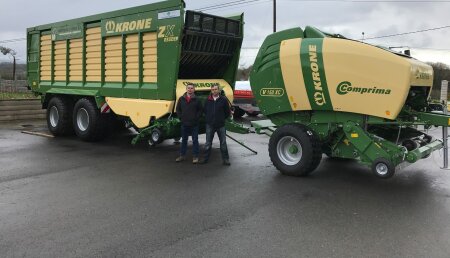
(314, 74)
(73, 92)
(424, 151)
(124, 22)
(230, 73)
(112, 89)
(52, 63)
(83, 76)
(166, 19)
(70, 31)
(266, 77)
(311, 32)
(170, 4)
(124, 61)
(141, 60)
(102, 54)
(169, 41)
(67, 60)
(33, 48)
(432, 118)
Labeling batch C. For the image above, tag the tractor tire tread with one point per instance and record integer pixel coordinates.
(65, 109)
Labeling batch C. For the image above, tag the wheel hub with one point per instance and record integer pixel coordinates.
(381, 169)
(289, 150)
(54, 116)
(82, 119)
(293, 149)
(155, 136)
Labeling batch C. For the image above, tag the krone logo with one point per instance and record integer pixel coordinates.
(271, 92)
(319, 98)
(203, 84)
(110, 26)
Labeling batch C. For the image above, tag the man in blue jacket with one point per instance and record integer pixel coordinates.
(216, 109)
(189, 110)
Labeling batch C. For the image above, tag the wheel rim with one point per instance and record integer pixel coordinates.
(289, 150)
(381, 169)
(155, 136)
(82, 119)
(54, 116)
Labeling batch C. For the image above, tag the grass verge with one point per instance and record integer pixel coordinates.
(16, 95)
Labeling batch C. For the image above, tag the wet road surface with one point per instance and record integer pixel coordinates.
(60, 197)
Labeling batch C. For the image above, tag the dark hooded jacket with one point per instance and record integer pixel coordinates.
(216, 111)
(190, 111)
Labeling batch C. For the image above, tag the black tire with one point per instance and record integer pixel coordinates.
(89, 124)
(383, 168)
(59, 116)
(295, 136)
(252, 114)
(327, 151)
(157, 136)
(238, 113)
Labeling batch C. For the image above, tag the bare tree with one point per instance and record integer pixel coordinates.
(441, 72)
(8, 51)
(243, 73)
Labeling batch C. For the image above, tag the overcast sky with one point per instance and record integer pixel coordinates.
(349, 18)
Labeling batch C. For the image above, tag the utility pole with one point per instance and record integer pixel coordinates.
(274, 15)
(444, 97)
(14, 68)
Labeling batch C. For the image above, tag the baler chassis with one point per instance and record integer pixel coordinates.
(298, 139)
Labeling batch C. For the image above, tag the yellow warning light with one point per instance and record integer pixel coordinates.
(354, 135)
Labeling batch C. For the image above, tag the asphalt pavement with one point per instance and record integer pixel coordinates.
(60, 197)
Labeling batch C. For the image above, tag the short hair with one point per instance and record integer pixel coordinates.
(215, 85)
(190, 84)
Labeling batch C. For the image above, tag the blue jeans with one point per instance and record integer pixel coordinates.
(185, 132)
(221, 132)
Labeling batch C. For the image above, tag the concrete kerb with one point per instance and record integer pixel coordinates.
(21, 109)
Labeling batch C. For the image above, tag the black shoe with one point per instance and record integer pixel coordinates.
(226, 162)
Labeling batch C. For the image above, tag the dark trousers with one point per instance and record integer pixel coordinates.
(221, 132)
(185, 132)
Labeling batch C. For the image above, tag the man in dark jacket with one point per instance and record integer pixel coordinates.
(216, 109)
(189, 110)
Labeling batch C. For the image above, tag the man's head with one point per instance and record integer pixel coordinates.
(215, 90)
(190, 88)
